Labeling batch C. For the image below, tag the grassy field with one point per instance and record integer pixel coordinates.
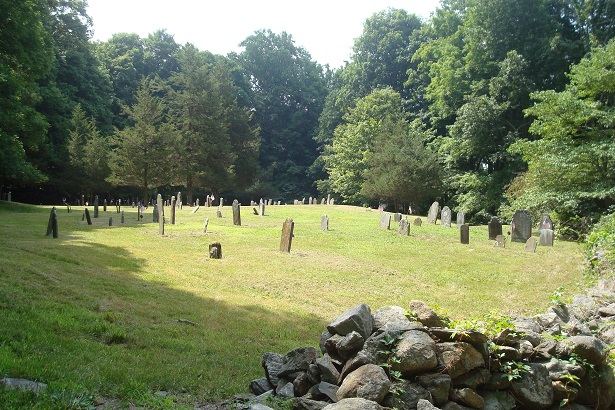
(103, 311)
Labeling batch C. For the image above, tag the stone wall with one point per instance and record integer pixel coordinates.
(406, 358)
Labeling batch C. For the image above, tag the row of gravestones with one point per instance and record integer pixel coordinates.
(445, 215)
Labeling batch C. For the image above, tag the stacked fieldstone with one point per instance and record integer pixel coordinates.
(407, 358)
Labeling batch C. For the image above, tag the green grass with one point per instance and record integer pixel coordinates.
(94, 313)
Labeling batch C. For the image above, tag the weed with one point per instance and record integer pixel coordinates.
(513, 370)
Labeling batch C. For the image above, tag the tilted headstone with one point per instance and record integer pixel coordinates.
(236, 213)
(105, 205)
(546, 237)
(432, 215)
(495, 228)
(464, 233)
(195, 209)
(385, 221)
(324, 223)
(215, 250)
(255, 211)
(218, 213)
(87, 216)
(172, 210)
(545, 222)
(160, 207)
(461, 218)
(530, 244)
(418, 222)
(50, 222)
(396, 217)
(206, 224)
(261, 209)
(123, 218)
(500, 241)
(287, 235)
(96, 206)
(404, 227)
(521, 226)
(446, 217)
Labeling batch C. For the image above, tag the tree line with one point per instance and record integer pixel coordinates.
(489, 106)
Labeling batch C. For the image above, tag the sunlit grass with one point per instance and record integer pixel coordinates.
(97, 309)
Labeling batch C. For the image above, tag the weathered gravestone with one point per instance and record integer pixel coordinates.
(310, 200)
(87, 216)
(118, 206)
(396, 217)
(332, 201)
(287, 235)
(404, 227)
(324, 223)
(82, 200)
(270, 202)
(530, 244)
(209, 201)
(417, 222)
(236, 213)
(155, 214)
(546, 237)
(49, 222)
(96, 206)
(521, 226)
(196, 208)
(172, 210)
(500, 241)
(495, 228)
(123, 219)
(179, 200)
(432, 215)
(328, 199)
(446, 217)
(110, 221)
(254, 211)
(215, 250)
(160, 207)
(322, 201)
(52, 225)
(105, 205)
(261, 209)
(206, 224)
(218, 212)
(545, 222)
(464, 233)
(198, 202)
(221, 202)
(9, 197)
(461, 218)
(385, 221)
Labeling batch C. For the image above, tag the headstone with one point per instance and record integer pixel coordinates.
(82, 218)
(179, 200)
(500, 241)
(236, 213)
(87, 216)
(105, 205)
(270, 202)
(324, 223)
(464, 233)
(123, 218)
(218, 213)
(332, 201)
(197, 202)
(261, 209)
(396, 217)
(96, 206)
(54, 223)
(206, 223)
(322, 201)
(521, 226)
(545, 222)
(530, 244)
(404, 227)
(495, 228)
(328, 199)
(287, 235)
(546, 237)
(82, 200)
(118, 205)
(303, 201)
(50, 222)
(160, 208)
(310, 201)
(110, 221)
(195, 209)
(418, 222)
(255, 211)
(461, 218)
(9, 197)
(432, 215)
(221, 202)
(68, 207)
(208, 201)
(215, 250)
(446, 217)
(172, 210)
(385, 221)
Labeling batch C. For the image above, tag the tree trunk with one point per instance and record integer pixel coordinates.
(190, 188)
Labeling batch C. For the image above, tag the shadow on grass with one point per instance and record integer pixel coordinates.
(85, 316)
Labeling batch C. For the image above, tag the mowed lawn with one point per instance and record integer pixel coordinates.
(120, 311)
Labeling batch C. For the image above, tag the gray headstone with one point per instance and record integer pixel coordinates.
(172, 210)
(54, 223)
(432, 215)
(500, 241)
(270, 202)
(446, 217)
(464, 233)
(215, 250)
(105, 205)
(322, 201)
(110, 221)
(324, 223)
(50, 221)
(530, 244)
(9, 197)
(287, 235)
(236, 213)
(461, 218)
(385, 221)
(206, 224)
(546, 237)
(221, 202)
(160, 213)
(179, 200)
(495, 228)
(96, 207)
(261, 209)
(328, 199)
(195, 209)
(396, 217)
(87, 216)
(198, 202)
(218, 213)
(521, 226)
(123, 219)
(404, 227)
(418, 222)
(545, 222)
(82, 200)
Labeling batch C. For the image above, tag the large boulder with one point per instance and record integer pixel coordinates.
(358, 319)
(425, 314)
(498, 400)
(468, 397)
(368, 382)
(597, 388)
(272, 363)
(354, 403)
(328, 372)
(438, 384)
(589, 348)
(298, 360)
(415, 353)
(459, 357)
(533, 389)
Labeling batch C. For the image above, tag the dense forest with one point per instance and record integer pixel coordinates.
(488, 106)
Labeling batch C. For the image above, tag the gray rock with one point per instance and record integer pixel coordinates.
(409, 396)
(451, 405)
(425, 405)
(329, 390)
(546, 349)
(473, 379)
(300, 403)
(558, 369)
(468, 397)
(393, 321)
(607, 333)
(358, 318)
(438, 384)
(415, 353)
(260, 386)
(577, 328)
(23, 384)
(259, 406)
(533, 389)
(328, 372)
(425, 314)
(297, 360)
(508, 353)
(459, 357)
(285, 389)
(368, 382)
(272, 363)
(323, 339)
(372, 353)
(355, 403)
(331, 343)
(508, 337)
(302, 384)
(549, 319)
(498, 400)
(526, 349)
(597, 388)
(606, 311)
(589, 348)
(350, 344)
(564, 390)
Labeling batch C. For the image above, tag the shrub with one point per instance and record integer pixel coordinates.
(600, 247)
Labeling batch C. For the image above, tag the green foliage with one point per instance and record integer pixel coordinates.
(513, 370)
(490, 324)
(600, 247)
